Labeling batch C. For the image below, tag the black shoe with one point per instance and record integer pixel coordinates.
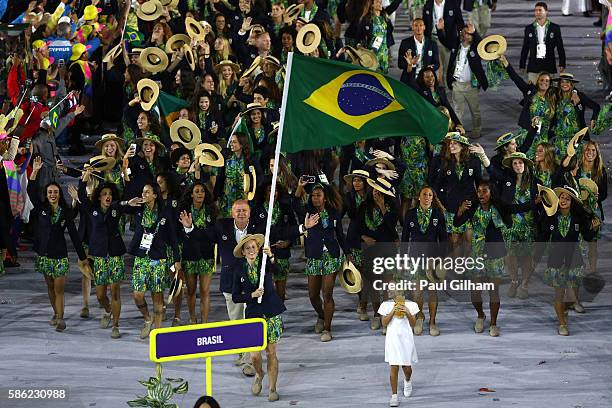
(597, 23)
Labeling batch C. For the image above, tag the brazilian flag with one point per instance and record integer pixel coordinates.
(330, 103)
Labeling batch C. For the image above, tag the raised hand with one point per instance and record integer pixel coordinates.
(186, 219)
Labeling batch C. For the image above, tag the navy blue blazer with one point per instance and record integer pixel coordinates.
(427, 94)
(507, 184)
(450, 189)
(104, 236)
(474, 59)
(553, 40)
(453, 20)
(164, 229)
(196, 246)
(49, 238)
(386, 231)
(331, 236)
(140, 174)
(432, 242)
(283, 230)
(430, 55)
(271, 305)
(567, 253)
(363, 30)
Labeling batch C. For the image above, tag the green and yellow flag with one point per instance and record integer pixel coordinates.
(169, 107)
(330, 103)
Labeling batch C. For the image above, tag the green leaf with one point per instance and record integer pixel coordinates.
(171, 406)
(140, 402)
(181, 389)
(166, 393)
(145, 383)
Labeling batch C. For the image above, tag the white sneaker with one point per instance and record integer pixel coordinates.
(394, 401)
(407, 388)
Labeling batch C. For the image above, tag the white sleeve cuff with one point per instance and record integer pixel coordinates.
(188, 230)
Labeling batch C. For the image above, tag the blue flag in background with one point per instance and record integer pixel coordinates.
(2, 7)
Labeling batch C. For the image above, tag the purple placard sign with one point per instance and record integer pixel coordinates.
(209, 341)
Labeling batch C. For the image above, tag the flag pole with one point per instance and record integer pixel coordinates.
(279, 139)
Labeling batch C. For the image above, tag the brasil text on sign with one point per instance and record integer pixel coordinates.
(206, 340)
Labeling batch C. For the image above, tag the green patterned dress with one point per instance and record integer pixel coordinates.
(233, 189)
(542, 108)
(327, 264)
(563, 278)
(592, 203)
(493, 268)
(109, 269)
(565, 127)
(149, 274)
(520, 236)
(413, 153)
(449, 217)
(543, 177)
(128, 133)
(423, 218)
(204, 267)
(379, 30)
(54, 268)
(274, 323)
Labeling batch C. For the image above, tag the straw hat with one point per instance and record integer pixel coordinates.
(229, 63)
(492, 47)
(356, 173)
(250, 182)
(209, 155)
(110, 137)
(189, 56)
(362, 56)
(259, 238)
(102, 163)
(308, 38)
(457, 137)
(550, 201)
(381, 160)
(176, 42)
(251, 107)
(171, 4)
(575, 141)
(185, 132)
(153, 59)
(504, 140)
(570, 191)
(78, 50)
(148, 92)
(567, 77)
(350, 278)
(292, 12)
(175, 287)
(153, 138)
(113, 53)
(507, 162)
(382, 185)
(254, 65)
(272, 60)
(194, 29)
(587, 186)
(150, 10)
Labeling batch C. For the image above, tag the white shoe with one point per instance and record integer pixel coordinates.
(407, 388)
(394, 401)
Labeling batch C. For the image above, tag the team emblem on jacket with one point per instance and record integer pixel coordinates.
(552, 227)
(448, 172)
(471, 172)
(95, 213)
(162, 221)
(335, 223)
(224, 237)
(43, 213)
(242, 279)
(472, 54)
(262, 215)
(142, 167)
(430, 53)
(576, 227)
(174, 203)
(208, 218)
(508, 184)
(435, 222)
(63, 223)
(450, 12)
(411, 224)
(552, 35)
(114, 213)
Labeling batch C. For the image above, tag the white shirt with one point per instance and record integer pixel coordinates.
(541, 32)
(240, 233)
(463, 73)
(419, 51)
(438, 14)
(307, 14)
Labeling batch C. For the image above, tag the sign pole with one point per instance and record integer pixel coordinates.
(209, 376)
